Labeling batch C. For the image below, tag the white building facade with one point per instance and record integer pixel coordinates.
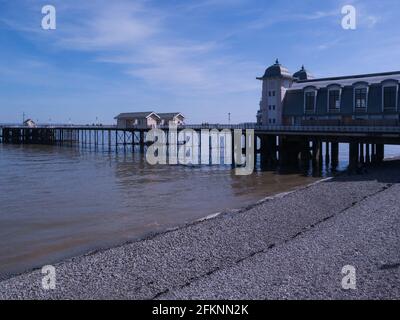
(275, 82)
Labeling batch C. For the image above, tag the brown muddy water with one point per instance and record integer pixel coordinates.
(57, 202)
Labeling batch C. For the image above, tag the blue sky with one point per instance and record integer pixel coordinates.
(199, 57)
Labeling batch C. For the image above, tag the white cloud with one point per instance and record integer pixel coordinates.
(114, 26)
(267, 20)
(371, 21)
(206, 4)
(139, 39)
(329, 44)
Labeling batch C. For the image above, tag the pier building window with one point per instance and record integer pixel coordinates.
(334, 99)
(360, 98)
(309, 100)
(389, 97)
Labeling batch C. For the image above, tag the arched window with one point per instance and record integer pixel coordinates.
(390, 90)
(360, 94)
(310, 99)
(334, 97)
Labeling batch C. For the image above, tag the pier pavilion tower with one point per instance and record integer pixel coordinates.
(275, 81)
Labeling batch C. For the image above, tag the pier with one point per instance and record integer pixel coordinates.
(276, 145)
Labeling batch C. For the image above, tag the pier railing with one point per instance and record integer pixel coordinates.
(344, 129)
(259, 128)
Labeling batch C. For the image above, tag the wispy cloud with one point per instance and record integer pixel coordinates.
(148, 49)
(207, 4)
(329, 44)
(371, 21)
(116, 26)
(267, 20)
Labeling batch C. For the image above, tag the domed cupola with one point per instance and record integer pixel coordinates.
(277, 70)
(302, 74)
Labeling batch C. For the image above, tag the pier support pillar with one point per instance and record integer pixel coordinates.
(380, 152)
(268, 150)
(317, 153)
(320, 155)
(6, 135)
(327, 155)
(141, 142)
(367, 154)
(373, 153)
(289, 150)
(353, 155)
(255, 141)
(335, 154)
(305, 154)
(362, 159)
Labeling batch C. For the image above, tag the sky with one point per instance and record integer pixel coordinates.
(198, 57)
